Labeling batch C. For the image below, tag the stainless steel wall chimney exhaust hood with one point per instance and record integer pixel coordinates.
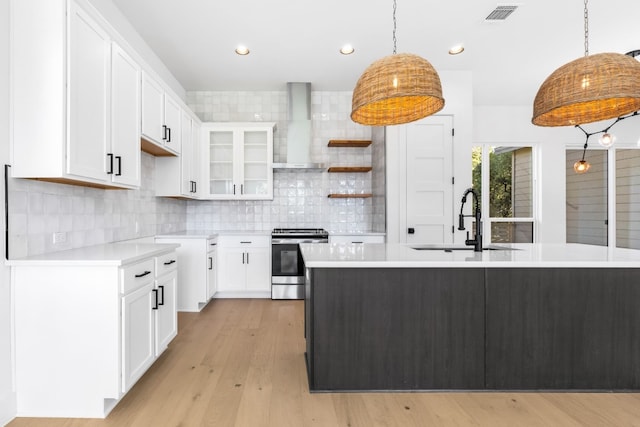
(299, 130)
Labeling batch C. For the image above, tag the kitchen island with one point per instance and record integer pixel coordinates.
(527, 317)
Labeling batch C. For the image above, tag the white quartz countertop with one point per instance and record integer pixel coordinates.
(189, 234)
(108, 254)
(390, 255)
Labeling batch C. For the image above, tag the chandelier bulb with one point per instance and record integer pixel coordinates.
(581, 166)
(607, 139)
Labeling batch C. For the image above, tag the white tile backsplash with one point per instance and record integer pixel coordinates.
(300, 198)
(87, 216)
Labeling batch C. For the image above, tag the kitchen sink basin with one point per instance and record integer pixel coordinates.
(460, 248)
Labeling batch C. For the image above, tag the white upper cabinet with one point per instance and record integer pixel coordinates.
(88, 89)
(160, 119)
(180, 176)
(63, 127)
(240, 160)
(124, 163)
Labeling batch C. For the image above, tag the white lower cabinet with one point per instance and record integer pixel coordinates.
(245, 266)
(86, 329)
(198, 269)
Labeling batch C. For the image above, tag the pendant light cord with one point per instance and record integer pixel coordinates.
(395, 41)
(586, 29)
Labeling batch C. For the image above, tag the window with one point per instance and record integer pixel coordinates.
(509, 200)
(603, 205)
(586, 198)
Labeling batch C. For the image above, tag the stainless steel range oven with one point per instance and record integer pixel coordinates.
(287, 267)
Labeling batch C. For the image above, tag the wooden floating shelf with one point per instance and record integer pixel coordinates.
(349, 143)
(350, 196)
(359, 169)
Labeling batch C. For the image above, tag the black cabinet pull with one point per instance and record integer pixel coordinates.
(213, 244)
(169, 139)
(170, 262)
(110, 156)
(155, 299)
(234, 189)
(411, 230)
(164, 132)
(119, 159)
(246, 241)
(143, 274)
(243, 257)
(161, 287)
(241, 188)
(195, 186)
(210, 263)
(247, 257)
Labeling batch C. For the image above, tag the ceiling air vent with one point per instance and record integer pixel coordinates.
(500, 13)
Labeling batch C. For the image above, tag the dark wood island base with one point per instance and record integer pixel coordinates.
(473, 329)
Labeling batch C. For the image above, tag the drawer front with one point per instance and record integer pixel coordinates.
(137, 275)
(166, 263)
(245, 241)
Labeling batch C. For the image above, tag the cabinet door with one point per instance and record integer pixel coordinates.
(255, 174)
(124, 162)
(258, 267)
(221, 157)
(137, 334)
(196, 159)
(212, 272)
(88, 97)
(152, 116)
(172, 116)
(233, 269)
(166, 317)
(186, 156)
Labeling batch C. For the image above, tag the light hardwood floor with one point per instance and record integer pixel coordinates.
(241, 363)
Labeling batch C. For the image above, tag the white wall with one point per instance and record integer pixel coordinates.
(7, 396)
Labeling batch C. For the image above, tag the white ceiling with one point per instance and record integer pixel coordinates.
(298, 40)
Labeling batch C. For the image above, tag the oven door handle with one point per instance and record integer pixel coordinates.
(296, 241)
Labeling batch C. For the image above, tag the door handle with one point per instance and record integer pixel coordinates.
(161, 287)
(155, 299)
(411, 230)
(164, 132)
(210, 263)
(119, 159)
(110, 156)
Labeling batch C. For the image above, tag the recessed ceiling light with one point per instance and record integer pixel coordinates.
(457, 49)
(242, 50)
(347, 49)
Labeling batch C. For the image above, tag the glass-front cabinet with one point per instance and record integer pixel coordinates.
(240, 160)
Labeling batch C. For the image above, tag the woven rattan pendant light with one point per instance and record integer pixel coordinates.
(396, 89)
(589, 89)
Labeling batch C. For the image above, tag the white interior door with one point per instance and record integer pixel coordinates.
(429, 160)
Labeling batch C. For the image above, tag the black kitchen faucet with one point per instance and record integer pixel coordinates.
(476, 242)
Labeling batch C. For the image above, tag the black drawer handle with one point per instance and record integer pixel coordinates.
(143, 274)
(245, 242)
(213, 244)
(170, 262)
